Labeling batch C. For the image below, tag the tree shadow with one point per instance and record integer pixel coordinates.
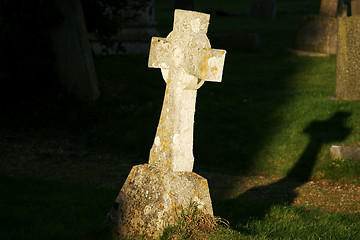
(282, 192)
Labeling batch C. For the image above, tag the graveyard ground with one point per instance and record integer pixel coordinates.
(272, 118)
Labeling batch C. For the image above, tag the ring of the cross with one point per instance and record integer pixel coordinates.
(187, 81)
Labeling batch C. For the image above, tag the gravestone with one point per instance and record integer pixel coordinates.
(74, 64)
(317, 34)
(135, 33)
(263, 9)
(153, 193)
(345, 152)
(355, 7)
(329, 8)
(348, 59)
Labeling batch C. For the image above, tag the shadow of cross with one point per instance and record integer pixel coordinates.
(186, 61)
(321, 132)
(282, 192)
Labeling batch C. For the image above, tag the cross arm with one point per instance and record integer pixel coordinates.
(159, 49)
(209, 64)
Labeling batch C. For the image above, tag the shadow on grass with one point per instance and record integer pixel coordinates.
(39, 209)
(237, 118)
(259, 200)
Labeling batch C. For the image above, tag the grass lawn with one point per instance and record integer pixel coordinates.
(262, 139)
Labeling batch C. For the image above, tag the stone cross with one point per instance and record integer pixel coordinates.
(186, 61)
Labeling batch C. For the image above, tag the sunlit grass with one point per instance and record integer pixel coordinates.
(42, 209)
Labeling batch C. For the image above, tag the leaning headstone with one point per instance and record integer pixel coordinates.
(348, 59)
(154, 193)
(263, 9)
(355, 7)
(74, 64)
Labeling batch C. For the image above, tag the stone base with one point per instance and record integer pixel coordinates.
(151, 197)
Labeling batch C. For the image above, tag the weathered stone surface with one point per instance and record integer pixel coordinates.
(348, 59)
(186, 61)
(345, 152)
(74, 63)
(355, 7)
(263, 9)
(154, 192)
(329, 8)
(150, 198)
(317, 34)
